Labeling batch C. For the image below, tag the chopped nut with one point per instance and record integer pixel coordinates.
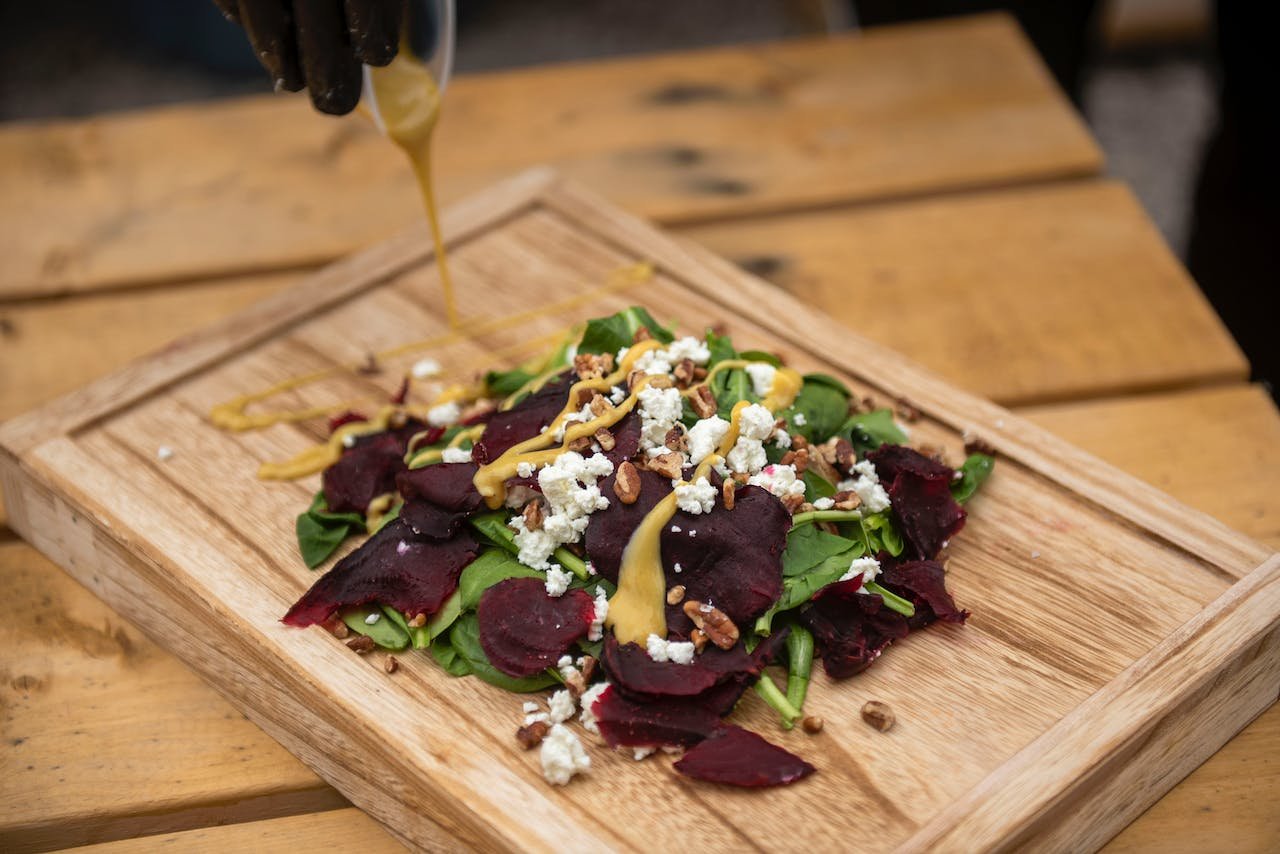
(668, 465)
(812, 724)
(627, 484)
(798, 441)
(660, 381)
(634, 378)
(976, 445)
(600, 405)
(934, 452)
(361, 644)
(417, 621)
(641, 334)
(878, 715)
(907, 412)
(675, 594)
(806, 508)
(676, 439)
(590, 366)
(391, 665)
(845, 455)
(728, 490)
(865, 404)
(587, 666)
(684, 373)
(337, 628)
(575, 682)
(793, 503)
(699, 374)
(533, 515)
(717, 626)
(699, 638)
(580, 444)
(740, 477)
(800, 459)
(605, 438)
(847, 500)
(703, 402)
(531, 736)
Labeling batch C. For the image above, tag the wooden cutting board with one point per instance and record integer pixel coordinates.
(1117, 639)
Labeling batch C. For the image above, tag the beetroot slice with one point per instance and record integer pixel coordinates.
(393, 567)
(923, 583)
(367, 469)
(450, 486)
(524, 631)
(851, 628)
(926, 513)
(523, 421)
(611, 528)
(736, 757)
(626, 723)
(892, 460)
(626, 439)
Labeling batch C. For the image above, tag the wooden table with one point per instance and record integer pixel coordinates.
(926, 184)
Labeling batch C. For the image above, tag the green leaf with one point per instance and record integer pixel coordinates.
(830, 382)
(817, 486)
(487, 570)
(760, 356)
(465, 637)
(321, 532)
(505, 383)
(880, 533)
(867, 431)
(721, 348)
(730, 387)
(824, 403)
(444, 618)
(808, 546)
(384, 632)
(448, 658)
(973, 473)
(493, 527)
(610, 334)
(798, 589)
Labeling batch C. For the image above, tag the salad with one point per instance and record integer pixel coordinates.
(638, 525)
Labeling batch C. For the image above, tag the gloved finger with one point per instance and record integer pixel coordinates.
(332, 70)
(229, 8)
(374, 28)
(269, 24)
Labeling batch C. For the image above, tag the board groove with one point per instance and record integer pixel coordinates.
(1207, 654)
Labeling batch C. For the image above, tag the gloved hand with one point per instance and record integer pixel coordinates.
(320, 44)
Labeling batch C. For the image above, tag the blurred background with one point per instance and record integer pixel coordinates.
(1179, 92)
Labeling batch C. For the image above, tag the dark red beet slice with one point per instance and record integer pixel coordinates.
(362, 473)
(734, 561)
(449, 486)
(851, 628)
(611, 528)
(892, 460)
(523, 421)
(736, 757)
(626, 440)
(524, 631)
(626, 723)
(926, 514)
(923, 583)
(393, 567)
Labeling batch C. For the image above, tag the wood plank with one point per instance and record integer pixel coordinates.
(1068, 551)
(262, 184)
(1025, 295)
(1239, 788)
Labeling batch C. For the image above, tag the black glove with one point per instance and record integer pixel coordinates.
(320, 44)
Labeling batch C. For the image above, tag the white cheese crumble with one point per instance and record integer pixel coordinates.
(756, 422)
(697, 497)
(675, 529)
(694, 349)
(569, 487)
(762, 374)
(558, 581)
(349, 441)
(562, 706)
(525, 468)
(705, 436)
(529, 707)
(641, 753)
(582, 416)
(425, 368)
(678, 568)
(444, 415)
(164, 453)
(455, 455)
(823, 503)
(562, 756)
(677, 652)
(618, 395)
(782, 438)
(866, 567)
(596, 632)
(867, 487)
(589, 697)
(660, 409)
(778, 479)
(798, 419)
(372, 619)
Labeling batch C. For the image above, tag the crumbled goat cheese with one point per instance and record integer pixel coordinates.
(747, 456)
(678, 568)
(782, 438)
(705, 436)
(823, 503)
(778, 479)
(618, 395)
(424, 368)
(596, 632)
(529, 707)
(349, 440)
(660, 409)
(756, 422)
(569, 486)
(798, 419)
(867, 487)
(694, 349)
(697, 497)
(587, 717)
(562, 756)
(562, 706)
(402, 547)
(567, 669)
(455, 455)
(372, 619)
(675, 529)
(444, 415)
(762, 374)
(558, 581)
(641, 753)
(537, 717)
(580, 417)
(677, 652)
(693, 533)
(164, 453)
(525, 469)
(867, 567)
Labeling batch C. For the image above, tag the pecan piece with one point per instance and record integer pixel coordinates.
(533, 515)
(337, 628)
(627, 484)
(878, 714)
(907, 412)
(641, 334)
(799, 459)
(580, 444)
(668, 465)
(812, 724)
(713, 622)
(391, 665)
(728, 489)
(977, 445)
(600, 405)
(793, 503)
(684, 373)
(590, 366)
(847, 500)
(699, 638)
(361, 644)
(417, 621)
(531, 736)
(676, 440)
(660, 381)
(675, 594)
(703, 402)
(605, 438)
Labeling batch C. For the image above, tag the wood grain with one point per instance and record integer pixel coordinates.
(132, 541)
(1073, 294)
(264, 184)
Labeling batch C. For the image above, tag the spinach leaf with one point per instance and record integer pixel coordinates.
(760, 356)
(879, 534)
(973, 473)
(817, 486)
(465, 637)
(867, 431)
(320, 532)
(798, 589)
(730, 387)
(808, 546)
(448, 658)
(493, 527)
(721, 348)
(505, 383)
(824, 403)
(384, 632)
(487, 570)
(610, 334)
(443, 619)
(830, 382)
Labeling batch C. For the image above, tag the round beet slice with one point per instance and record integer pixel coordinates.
(524, 631)
(737, 757)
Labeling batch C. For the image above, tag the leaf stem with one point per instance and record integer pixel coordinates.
(572, 562)
(799, 666)
(892, 601)
(825, 516)
(766, 688)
